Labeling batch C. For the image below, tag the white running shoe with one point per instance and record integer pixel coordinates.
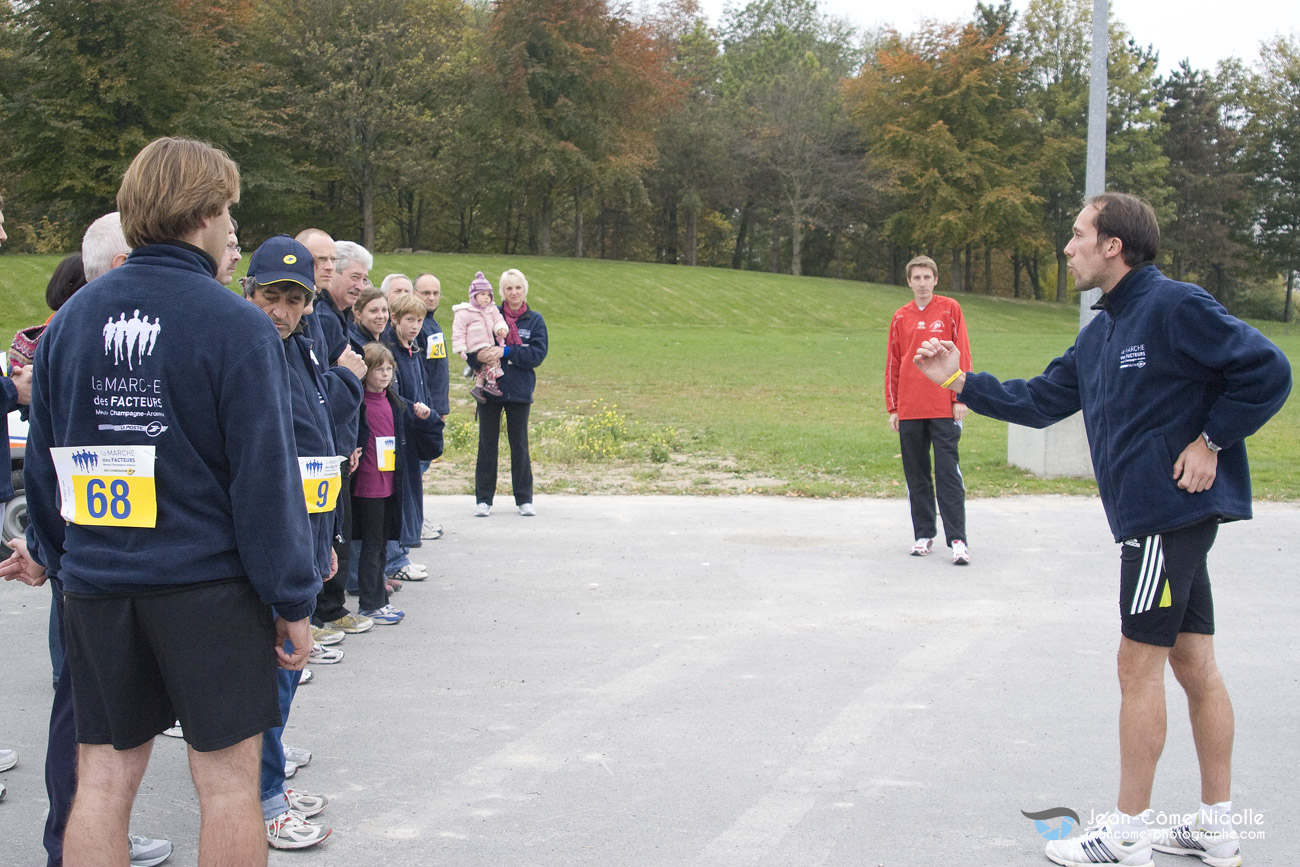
(297, 755)
(290, 768)
(8, 758)
(306, 677)
(1100, 845)
(146, 852)
(960, 556)
(324, 655)
(1216, 848)
(175, 731)
(482, 510)
(290, 830)
(527, 510)
(307, 805)
(922, 547)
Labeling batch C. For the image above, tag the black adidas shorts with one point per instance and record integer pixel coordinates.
(199, 653)
(1164, 586)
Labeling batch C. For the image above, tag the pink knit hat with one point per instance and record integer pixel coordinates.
(480, 284)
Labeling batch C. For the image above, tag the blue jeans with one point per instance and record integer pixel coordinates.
(274, 800)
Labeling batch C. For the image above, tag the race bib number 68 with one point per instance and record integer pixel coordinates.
(107, 486)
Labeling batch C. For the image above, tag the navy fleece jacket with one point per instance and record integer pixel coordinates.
(210, 391)
(1162, 362)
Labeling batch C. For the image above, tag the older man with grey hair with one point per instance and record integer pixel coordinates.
(395, 285)
(103, 247)
(351, 275)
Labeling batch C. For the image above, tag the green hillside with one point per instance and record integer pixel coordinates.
(665, 378)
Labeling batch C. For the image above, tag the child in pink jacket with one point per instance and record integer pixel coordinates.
(478, 324)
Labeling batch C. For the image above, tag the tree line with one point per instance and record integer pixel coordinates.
(780, 140)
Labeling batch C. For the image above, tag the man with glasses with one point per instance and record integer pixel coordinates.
(234, 253)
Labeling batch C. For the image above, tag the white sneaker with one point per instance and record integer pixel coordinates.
(175, 731)
(306, 676)
(297, 755)
(960, 556)
(290, 830)
(324, 655)
(146, 852)
(1100, 845)
(8, 758)
(1216, 848)
(527, 510)
(922, 547)
(482, 510)
(304, 804)
(290, 768)
(429, 530)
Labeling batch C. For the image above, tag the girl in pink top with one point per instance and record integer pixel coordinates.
(374, 508)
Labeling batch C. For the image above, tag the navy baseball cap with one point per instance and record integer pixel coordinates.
(283, 258)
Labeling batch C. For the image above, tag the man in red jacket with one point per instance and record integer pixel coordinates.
(926, 415)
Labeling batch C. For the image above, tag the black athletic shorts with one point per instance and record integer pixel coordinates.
(199, 653)
(1164, 586)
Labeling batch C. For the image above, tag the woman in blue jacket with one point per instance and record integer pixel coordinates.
(523, 353)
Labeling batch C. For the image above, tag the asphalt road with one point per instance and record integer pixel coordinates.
(733, 681)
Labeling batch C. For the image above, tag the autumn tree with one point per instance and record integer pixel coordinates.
(784, 62)
(357, 85)
(583, 92)
(939, 110)
(693, 141)
(87, 84)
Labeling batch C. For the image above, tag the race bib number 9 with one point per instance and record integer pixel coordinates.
(386, 453)
(437, 347)
(321, 482)
(107, 486)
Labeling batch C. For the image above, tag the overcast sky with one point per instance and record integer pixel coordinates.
(1204, 32)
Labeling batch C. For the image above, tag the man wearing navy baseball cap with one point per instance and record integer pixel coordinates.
(281, 282)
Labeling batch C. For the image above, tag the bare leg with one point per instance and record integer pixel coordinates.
(107, 780)
(232, 830)
(1141, 721)
(1210, 710)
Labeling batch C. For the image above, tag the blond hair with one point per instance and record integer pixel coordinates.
(171, 187)
(922, 262)
(407, 305)
(508, 273)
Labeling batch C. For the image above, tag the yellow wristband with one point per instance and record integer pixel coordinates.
(950, 380)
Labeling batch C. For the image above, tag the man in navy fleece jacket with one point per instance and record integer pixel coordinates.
(1170, 385)
(161, 417)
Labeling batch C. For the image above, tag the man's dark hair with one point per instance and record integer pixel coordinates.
(1130, 219)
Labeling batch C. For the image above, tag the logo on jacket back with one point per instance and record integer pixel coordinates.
(130, 340)
(1134, 356)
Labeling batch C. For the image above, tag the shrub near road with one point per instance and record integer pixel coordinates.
(673, 379)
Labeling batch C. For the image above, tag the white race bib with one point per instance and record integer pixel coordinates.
(437, 347)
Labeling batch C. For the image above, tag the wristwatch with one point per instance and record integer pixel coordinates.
(1209, 443)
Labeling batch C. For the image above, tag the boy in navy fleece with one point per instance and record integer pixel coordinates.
(179, 518)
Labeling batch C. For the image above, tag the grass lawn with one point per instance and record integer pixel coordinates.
(665, 378)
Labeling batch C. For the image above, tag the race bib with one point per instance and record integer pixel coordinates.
(437, 347)
(321, 482)
(107, 486)
(386, 453)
